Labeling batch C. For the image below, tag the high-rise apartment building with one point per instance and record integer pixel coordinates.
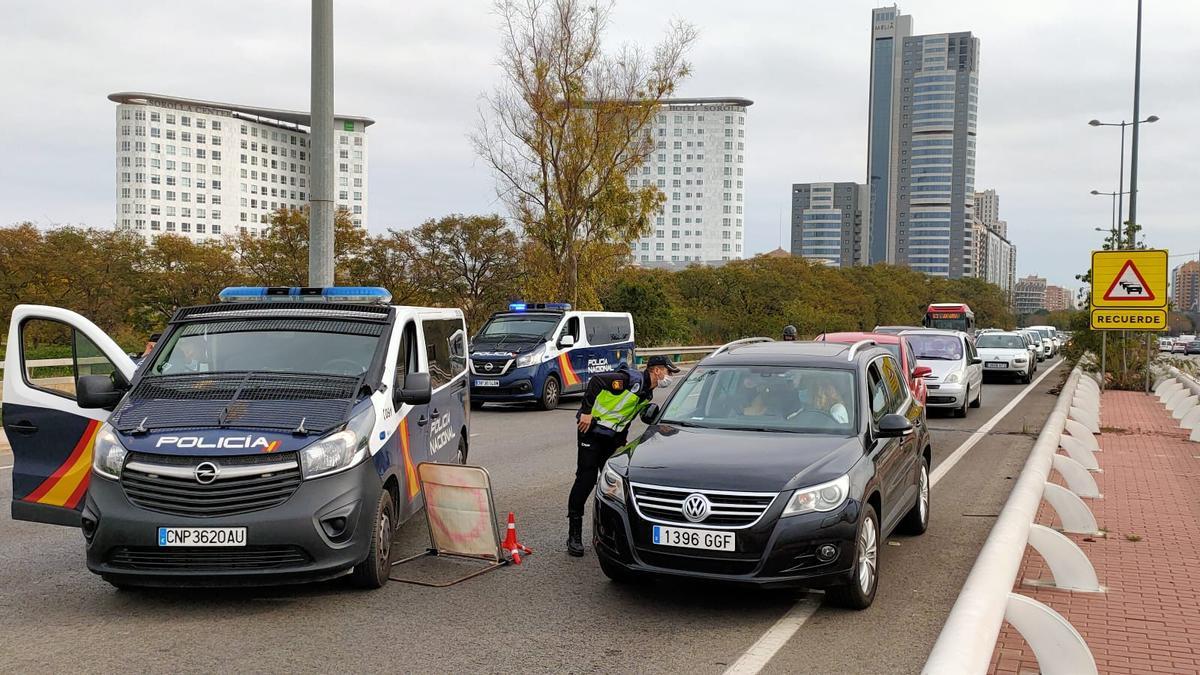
(921, 149)
(203, 169)
(1059, 298)
(827, 222)
(1029, 294)
(987, 210)
(1185, 287)
(698, 163)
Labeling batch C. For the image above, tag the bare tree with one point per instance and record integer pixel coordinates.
(569, 125)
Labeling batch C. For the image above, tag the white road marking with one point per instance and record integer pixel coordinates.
(5, 467)
(761, 652)
(953, 458)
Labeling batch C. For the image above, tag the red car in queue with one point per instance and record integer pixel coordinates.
(899, 348)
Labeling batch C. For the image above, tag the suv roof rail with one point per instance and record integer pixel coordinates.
(730, 346)
(856, 345)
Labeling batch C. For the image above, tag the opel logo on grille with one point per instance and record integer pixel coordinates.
(488, 367)
(696, 507)
(207, 472)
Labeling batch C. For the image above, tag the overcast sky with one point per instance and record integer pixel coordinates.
(418, 68)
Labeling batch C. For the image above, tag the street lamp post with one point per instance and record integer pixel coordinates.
(1121, 174)
(1114, 231)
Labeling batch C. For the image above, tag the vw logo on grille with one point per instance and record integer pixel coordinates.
(207, 472)
(488, 367)
(696, 507)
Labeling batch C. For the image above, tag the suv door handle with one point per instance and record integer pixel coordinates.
(23, 427)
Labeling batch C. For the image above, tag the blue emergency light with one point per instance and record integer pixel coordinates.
(349, 294)
(525, 306)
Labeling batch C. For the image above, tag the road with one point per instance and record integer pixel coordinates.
(552, 614)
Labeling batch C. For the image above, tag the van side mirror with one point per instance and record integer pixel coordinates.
(894, 426)
(417, 390)
(922, 371)
(650, 413)
(97, 391)
(567, 340)
(976, 361)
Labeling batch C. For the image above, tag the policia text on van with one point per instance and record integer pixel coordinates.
(270, 438)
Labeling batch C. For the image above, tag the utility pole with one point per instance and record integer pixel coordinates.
(1133, 154)
(320, 150)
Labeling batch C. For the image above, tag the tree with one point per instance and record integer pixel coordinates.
(569, 124)
(177, 272)
(390, 261)
(472, 262)
(280, 256)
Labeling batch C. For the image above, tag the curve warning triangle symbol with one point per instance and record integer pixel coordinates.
(1129, 285)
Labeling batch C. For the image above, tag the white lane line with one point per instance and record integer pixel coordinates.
(757, 656)
(761, 652)
(961, 451)
(5, 467)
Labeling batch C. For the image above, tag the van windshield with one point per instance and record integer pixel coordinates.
(519, 327)
(936, 347)
(269, 345)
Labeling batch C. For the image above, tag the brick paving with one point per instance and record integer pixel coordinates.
(1148, 620)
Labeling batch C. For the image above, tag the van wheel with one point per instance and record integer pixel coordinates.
(373, 572)
(978, 399)
(550, 394)
(962, 411)
(859, 591)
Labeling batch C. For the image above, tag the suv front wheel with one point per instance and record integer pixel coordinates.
(859, 592)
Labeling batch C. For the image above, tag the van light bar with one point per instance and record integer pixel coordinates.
(524, 306)
(347, 294)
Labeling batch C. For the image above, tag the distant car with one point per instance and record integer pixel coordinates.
(1006, 354)
(899, 347)
(1034, 341)
(1193, 347)
(1179, 347)
(1164, 344)
(957, 378)
(895, 330)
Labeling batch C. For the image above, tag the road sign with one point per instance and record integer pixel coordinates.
(1129, 279)
(1150, 319)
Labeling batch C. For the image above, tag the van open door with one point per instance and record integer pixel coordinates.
(51, 434)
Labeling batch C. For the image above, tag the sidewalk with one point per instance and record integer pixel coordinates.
(1148, 621)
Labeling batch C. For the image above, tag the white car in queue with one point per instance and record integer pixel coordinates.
(1006, 353)
(956, 380)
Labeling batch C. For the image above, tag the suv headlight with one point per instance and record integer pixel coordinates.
(956, 376)
(823, 497)
(611, 484)
(532, 358)
(108, 455)
(340, 450)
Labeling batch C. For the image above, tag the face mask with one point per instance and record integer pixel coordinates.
(665, 382)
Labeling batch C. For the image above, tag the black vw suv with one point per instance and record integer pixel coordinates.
(773, 464)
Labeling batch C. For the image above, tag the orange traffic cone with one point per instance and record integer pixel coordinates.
(514, 547)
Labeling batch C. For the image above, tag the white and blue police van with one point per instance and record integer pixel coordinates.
(270, 438)
(539, 352)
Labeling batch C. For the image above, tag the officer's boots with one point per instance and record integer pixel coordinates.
(575, 536)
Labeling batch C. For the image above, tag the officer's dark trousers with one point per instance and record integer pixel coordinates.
(593, 449)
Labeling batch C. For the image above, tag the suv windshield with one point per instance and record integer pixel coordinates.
(992, 341)
(766, 398)
(531, 326)
(936, 347)
(269, 345)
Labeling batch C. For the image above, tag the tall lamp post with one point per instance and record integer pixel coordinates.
(1121, 175)
(1115, 231)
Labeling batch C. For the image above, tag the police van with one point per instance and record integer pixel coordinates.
(538, 352)
(269, 438)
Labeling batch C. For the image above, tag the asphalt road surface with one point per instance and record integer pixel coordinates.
(552, 614)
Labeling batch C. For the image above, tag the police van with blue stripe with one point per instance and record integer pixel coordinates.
(539, 352)
(272, 437)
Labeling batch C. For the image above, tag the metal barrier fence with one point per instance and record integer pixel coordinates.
(987, 600)
(1180, 393)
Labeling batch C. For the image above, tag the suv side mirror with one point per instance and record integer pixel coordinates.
(650, 413)
(567, 340)
(97, 391)
(894, 426)
(417, 390)
(922, 371)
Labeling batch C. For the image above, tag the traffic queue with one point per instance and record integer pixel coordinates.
(274, 437)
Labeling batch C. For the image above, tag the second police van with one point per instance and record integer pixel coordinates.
(539, 352)
(270, 438)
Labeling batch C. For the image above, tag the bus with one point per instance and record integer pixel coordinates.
(950, 316)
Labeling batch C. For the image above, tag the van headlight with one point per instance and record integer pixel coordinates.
(532, 358)
(611, 484)
(823, 497)
(108, 455)
(956, 376)
(340, 450)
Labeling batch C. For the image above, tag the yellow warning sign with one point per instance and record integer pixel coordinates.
(1129, 319)
(1131, 279)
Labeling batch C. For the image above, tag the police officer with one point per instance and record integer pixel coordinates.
(610, 403)
(789, 333)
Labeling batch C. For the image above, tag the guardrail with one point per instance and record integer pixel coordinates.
(987, 600)
(693, 353)
(1180, 393)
